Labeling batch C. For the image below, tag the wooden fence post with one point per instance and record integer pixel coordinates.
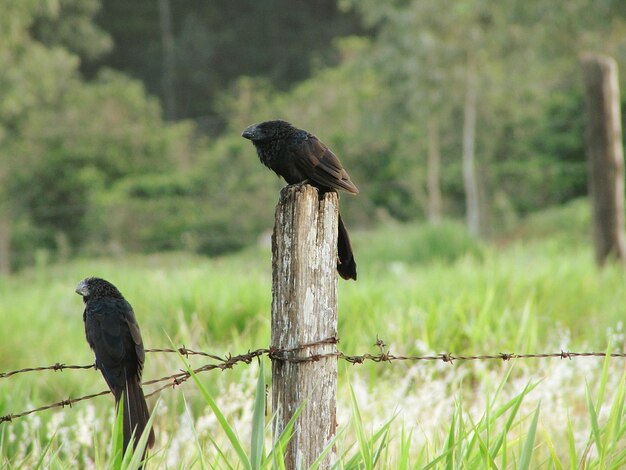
(605, 156)
(304, 311)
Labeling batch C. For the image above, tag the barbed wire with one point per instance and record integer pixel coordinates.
(283, 355)
(56, 367)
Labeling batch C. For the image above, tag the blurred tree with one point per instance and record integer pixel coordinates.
(64, 142)
(69, 24)
(427, 55)
(216, 42)
(99, 134)
(496, 64)
(169, 62)
(34, 76)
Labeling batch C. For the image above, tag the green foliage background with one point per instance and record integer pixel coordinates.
(90, 165)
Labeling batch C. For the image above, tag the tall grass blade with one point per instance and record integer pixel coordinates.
(220, 454)
(203, 463)
(384, 436)
(483, 446)
(364, 448)
(280, 443)
(328, 449)
(44, 451)
(404, 462)
(450, 443)
(228, 430)
(593, 416)
(527, 451)
(603, 379)
(137, 454)
(573, 458)
(514, 404)
(258, 422)
(117, 439)
(367, 456)
(555, 460)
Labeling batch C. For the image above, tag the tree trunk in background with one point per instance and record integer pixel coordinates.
(5, 242)
(605, 156)
(169, 62)
(469, 166)
(434, 165)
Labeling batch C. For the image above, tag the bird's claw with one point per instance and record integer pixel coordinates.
(300, 184)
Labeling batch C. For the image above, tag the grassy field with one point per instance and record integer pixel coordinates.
(422, 290)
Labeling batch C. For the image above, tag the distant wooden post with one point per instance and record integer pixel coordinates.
(304, 311)
(605, 156)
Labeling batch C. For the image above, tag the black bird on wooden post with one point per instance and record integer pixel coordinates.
(113, 334)
(300, 157)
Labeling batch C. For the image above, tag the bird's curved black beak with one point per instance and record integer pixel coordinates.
(82, 288)
(249, 132)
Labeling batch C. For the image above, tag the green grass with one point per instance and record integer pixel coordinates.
(423, 290)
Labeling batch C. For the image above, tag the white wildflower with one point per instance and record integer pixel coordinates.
(54, 424)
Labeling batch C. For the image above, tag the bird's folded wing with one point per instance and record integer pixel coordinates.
(323, 166)
(135, 334)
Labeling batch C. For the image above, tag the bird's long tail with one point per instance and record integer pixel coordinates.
(136, 414)
(346, 266)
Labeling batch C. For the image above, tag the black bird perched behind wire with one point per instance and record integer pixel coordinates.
(298, 156)
(113, 334)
